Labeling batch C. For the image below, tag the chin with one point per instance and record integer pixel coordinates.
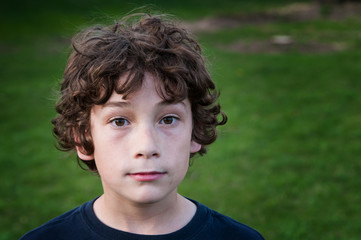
(150, 197)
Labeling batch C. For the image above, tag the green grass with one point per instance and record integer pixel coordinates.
(287, 163)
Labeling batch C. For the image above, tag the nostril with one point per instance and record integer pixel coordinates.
(155, 154)
(147, 155)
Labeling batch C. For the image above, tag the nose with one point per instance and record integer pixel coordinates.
(146, 142)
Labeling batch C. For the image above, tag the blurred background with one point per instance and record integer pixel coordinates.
(288, 161)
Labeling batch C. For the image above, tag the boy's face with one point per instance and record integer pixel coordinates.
(142, 144)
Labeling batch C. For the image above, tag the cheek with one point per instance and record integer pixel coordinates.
(178, 143)
(178, 149)
(108, 151)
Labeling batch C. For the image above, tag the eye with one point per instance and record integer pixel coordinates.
(168, 120)
(119, 122)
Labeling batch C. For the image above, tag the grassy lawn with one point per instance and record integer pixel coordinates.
(287, 163)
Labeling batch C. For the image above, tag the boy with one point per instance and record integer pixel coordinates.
(136, 103)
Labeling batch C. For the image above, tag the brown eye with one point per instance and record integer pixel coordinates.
(120, 122)
(168, 120)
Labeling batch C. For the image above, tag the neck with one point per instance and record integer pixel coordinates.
(158, 218)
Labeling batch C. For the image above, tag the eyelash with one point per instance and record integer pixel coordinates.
(124, 122)
(119, 119)
(174, 119)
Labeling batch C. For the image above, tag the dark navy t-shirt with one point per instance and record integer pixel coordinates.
(81, 223)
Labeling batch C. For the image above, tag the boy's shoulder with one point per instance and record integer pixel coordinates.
(66, 226)
(219, 226)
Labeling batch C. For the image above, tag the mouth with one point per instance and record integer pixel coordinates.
(147, 176)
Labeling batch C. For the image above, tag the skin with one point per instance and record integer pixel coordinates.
(142, 147)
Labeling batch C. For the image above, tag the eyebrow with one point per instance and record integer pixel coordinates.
(128, 104)
(116, 104)
(167, 103)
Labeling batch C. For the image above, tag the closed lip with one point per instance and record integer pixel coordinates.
(147, 176)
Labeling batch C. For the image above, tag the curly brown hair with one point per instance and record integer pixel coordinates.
(135, 45)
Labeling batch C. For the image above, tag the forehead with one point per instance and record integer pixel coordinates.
(170, 90)
(150, 92)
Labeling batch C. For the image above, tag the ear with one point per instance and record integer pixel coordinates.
(82, 155)
(80, 150)
(195, 147)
